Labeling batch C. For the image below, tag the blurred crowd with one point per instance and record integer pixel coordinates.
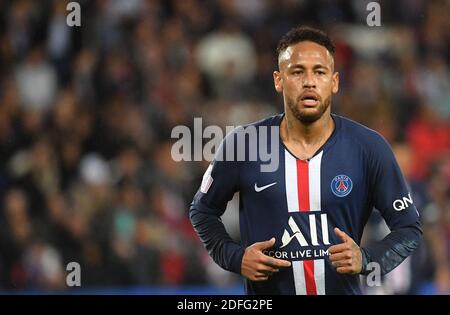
(86, 114)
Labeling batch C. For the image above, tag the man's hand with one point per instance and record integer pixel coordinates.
(256, 266)
(346, 257)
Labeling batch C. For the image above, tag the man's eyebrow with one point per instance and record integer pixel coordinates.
(302, 66)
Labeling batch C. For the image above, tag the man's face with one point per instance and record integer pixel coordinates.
(307, 80)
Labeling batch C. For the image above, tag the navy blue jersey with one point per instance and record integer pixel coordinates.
(301, 203)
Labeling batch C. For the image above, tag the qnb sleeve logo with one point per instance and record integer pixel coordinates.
(403, 203)
(298, 235)
(341, 185)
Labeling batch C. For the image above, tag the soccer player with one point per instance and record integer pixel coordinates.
(301, 225)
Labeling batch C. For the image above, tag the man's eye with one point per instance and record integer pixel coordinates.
(297, 72)
(320, 72)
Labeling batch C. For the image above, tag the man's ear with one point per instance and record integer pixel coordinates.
(335, 83)
(278, 81)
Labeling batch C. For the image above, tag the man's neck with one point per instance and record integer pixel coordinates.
(305, 139)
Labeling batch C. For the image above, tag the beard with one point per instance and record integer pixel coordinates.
(306, 115)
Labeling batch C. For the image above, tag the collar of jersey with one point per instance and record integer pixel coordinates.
(324, 147)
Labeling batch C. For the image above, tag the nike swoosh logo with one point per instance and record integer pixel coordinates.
(259, 189)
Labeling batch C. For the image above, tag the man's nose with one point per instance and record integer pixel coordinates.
(309, 80)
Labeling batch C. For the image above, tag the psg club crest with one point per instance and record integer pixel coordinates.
(341, 185)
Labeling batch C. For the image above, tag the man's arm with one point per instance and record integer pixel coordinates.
(391, 197)
(219, 184)
(251, 262)
(210, 229)
(392, 250)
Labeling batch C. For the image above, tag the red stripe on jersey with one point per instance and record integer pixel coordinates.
(303, 185)
(310, 282)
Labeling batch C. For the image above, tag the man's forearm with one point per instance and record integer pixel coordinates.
(392, 250)
(221, 247)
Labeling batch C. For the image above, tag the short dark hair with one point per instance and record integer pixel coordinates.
(302, 34)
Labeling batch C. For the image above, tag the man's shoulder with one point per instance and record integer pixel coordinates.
(255, 127)
(371, 141)
(360, 133)
(243, 136)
